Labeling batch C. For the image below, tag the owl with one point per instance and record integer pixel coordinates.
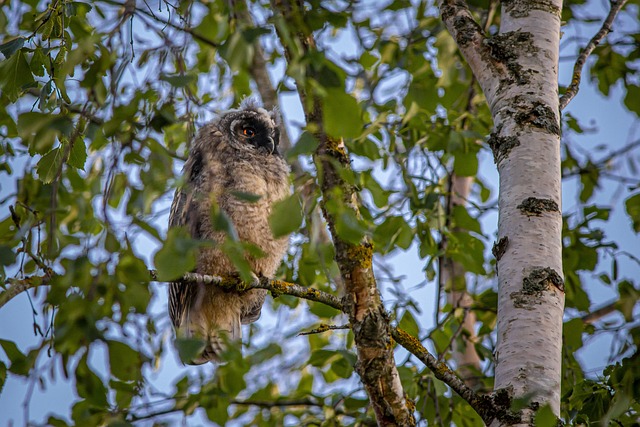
(235, 154)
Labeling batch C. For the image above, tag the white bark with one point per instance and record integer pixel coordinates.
(523, 60)
(528, 354)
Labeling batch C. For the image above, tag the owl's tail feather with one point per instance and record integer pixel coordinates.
(217, 342)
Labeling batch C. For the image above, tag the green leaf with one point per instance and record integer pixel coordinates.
(632, 100)
(39, 130)
(124, 361)
(49, 165)
(632, 205)
(236, 51)
(465, 163)
(409, 324)
(341, 114)
(221, 222)
(3, 375)
(367, 60)
(286, 216)
(39, 63)
(237, 252)
(246, 197)
(75, 8)
(214, 26)
(306, 144)
(572, 334)
(78, 154)
(423, 93)
(342, 368)
(465, 221)
(7, 256)
(179, 80)
(15, 75)
(189, 348)
(320, 358)
(11, 350)
(90, 386)
(230, 376)
(468, 251)
(218, 411)
(545, 417)
(10, 47)
(349, 227)
(177, 256)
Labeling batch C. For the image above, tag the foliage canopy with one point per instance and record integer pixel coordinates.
(99, 101)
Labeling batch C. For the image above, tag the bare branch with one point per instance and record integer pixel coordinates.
(277, 287)
(324, 328)
(483, 405)
(573, 88)
(470, 37)
(595, 315)
(168, 23)
(17, 286)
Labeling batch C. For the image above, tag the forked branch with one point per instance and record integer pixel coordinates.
(572, 90)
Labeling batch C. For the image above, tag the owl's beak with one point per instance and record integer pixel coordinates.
(269, 144)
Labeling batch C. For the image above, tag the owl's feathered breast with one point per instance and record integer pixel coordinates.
(217, 173)
(226, 169)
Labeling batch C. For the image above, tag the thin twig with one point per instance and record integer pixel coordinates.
(324, 328)
(597, 314)
(573, 88)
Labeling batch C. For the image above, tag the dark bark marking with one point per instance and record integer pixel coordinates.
(502, 399)
(501, 146)
(540, 116)
(467, 29)
(534, 206)
(507, 48)
(540, 279)
(500, 247)
(521, 8)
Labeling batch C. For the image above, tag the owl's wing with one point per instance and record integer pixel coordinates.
(184, 213)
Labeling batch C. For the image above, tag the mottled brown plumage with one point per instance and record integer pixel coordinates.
(236, 153)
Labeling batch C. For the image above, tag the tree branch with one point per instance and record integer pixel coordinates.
(470, 38)
(324, 328)
(367, 316)
(17, 286)
(595, 315)
(167, 23)
(573, 88)
(277, 287)
(483, 405)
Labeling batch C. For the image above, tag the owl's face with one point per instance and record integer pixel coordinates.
(252, 128)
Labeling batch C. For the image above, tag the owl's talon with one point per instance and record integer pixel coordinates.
(255, 280)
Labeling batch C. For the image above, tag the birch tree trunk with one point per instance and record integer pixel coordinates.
(517, 70)
(454, 280)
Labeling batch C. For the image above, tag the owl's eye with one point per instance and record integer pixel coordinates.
(248, 131)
